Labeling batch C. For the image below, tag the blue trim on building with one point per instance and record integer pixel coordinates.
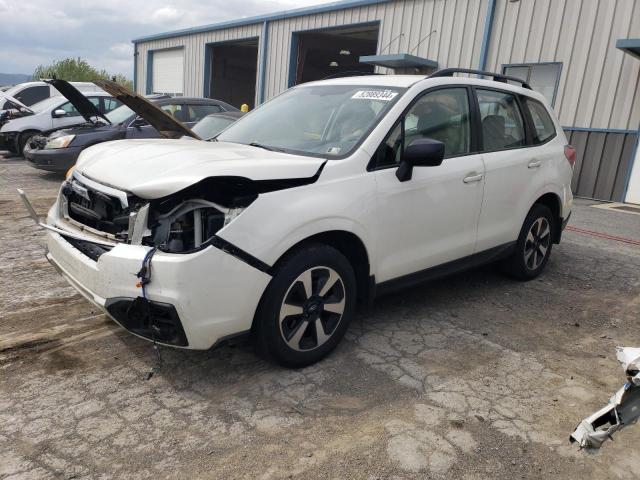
(206, 90)
(486, 35)
(627, 180)
(600, 130)
(398, 60)
(293, 60)
(298, 12)
(262, 69)
(135, 68)
(149, 86)
(630, 46)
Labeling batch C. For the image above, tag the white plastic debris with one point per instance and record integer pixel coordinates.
(623, 408)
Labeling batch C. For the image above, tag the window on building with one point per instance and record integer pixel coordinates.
(543, 77)
(502, 123)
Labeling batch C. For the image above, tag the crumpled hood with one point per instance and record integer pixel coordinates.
(154, 168)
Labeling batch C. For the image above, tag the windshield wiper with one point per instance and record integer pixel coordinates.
(266, 147)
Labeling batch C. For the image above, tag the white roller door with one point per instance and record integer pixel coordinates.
(168, 71)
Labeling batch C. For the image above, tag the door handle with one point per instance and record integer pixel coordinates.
(473, 178)
(535, 164)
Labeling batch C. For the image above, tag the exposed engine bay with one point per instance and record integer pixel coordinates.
(179, 223)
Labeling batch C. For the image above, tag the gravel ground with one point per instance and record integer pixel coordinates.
(471, 377)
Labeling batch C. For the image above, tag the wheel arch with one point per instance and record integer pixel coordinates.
(351, 246)
(553, 202)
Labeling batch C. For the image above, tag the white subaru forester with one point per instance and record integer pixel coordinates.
(329, 194)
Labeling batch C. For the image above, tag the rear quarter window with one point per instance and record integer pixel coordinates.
(543, 126)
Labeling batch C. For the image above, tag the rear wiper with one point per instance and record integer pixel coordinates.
(266, 147)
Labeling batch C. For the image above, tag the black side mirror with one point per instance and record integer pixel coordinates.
(422, 152)
(138, 122)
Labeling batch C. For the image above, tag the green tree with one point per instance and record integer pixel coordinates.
(77, 70)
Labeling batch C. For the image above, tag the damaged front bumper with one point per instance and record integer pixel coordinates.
(623, 408)
(194, 300)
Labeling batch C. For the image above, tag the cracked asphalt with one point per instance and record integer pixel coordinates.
(472, 377)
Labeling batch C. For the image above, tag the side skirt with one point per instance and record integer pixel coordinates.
(465, 263)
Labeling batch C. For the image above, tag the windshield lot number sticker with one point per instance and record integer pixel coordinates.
(384, 95)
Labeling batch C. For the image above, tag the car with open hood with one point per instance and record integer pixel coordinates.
(30, 93)
(292, 216)
(55, 113)
(57, 151)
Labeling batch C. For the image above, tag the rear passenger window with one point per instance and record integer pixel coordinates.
(32, 95)
(175, 110)
(110, 104)
(198, 112)
(544, 127)
(502, 123)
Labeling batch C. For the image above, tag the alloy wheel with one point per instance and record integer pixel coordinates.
(312, 308)
(537, 243)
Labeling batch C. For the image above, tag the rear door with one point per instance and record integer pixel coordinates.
(514, 169)
(432, 218)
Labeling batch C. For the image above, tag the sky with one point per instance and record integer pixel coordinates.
(38, 32)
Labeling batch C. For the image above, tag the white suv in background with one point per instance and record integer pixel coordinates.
(327, 195)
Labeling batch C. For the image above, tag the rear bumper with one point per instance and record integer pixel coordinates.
(207, 295)
(53, 160)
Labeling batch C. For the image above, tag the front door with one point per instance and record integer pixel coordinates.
(432, 218)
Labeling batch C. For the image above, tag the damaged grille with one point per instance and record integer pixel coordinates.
(96, 209)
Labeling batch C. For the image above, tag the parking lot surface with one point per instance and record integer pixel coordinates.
(474, 376)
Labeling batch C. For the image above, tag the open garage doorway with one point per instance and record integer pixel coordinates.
(234, 67)
(332, 52)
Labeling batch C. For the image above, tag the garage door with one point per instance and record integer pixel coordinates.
(168, 71)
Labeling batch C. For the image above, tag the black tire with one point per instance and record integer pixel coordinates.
(22, 140)
(285, 290)
(532, 251)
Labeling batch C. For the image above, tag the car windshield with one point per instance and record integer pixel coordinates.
(317, 120)
(119, 115)
(211, 126)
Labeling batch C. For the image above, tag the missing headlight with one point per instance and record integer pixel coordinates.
(190, 225)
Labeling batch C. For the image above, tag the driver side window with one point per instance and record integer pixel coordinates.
(441, 115)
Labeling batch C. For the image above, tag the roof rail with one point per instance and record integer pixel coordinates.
(497, 77)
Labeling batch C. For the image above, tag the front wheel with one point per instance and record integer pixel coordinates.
(307, 307)
(534, 244)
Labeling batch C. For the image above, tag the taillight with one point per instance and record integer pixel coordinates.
(570, 154)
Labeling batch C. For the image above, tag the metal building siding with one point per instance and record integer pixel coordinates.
(602, 163)
(599, 83)
(194, 50)
(456, 42)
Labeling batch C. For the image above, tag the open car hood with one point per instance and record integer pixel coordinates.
(164, 123)
(87, 109)
(17, 103)
(155, 168)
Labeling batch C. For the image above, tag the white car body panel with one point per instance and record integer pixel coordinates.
(406, 227)
(163, 166)
(86, 87)
(43, 120)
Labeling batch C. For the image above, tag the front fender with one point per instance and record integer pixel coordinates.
(277, 221)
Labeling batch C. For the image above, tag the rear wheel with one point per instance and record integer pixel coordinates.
(534, 244)
(307, 307)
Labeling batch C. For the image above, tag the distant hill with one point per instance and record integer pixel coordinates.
(13, 78)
